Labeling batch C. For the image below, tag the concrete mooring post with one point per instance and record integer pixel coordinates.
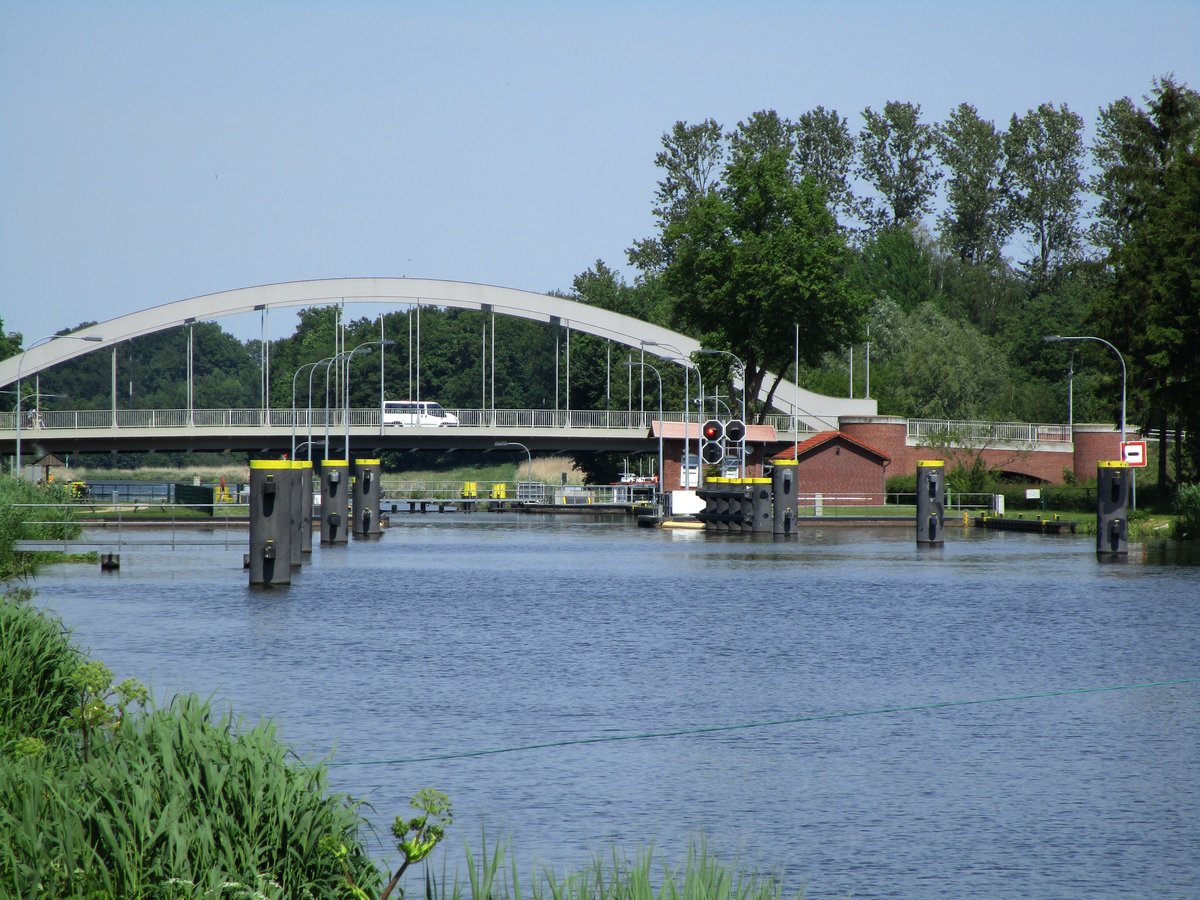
(304, 487)
(335, 501)
(762, 521)
(1112, 508)
(784, 491)
(271, 488)
(931, 501)
(366, 494)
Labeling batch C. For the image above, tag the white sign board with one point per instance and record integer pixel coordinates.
(1033, 493)
(1134, 453)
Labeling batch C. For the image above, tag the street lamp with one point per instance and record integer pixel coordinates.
(742, 366)
(661, 480)
(313, 367)
(1054, 338)
(688, 365)
(528, 455)
(346, 383)
(90, 338)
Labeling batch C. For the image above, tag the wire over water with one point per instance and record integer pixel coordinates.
(772, 723)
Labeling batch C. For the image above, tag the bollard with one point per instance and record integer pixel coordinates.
(1112, 502)
(270, 521)
(931, 501)
(304, 487)
(335, 501)
(783, 489)
(745, 502)
(295, 514)
(760, 505)
(366, 493)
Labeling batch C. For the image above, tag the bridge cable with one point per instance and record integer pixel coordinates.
(773, 723)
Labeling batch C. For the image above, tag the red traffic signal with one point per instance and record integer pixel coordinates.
(735, 431)
(712, 430)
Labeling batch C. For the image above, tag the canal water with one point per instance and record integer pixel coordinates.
(1001, 717)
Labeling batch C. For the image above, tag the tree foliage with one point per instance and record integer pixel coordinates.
(757, 252)
(897, 158)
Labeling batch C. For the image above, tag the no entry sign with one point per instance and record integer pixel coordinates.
(1134, 453)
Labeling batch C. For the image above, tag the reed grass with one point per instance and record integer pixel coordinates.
(19, 520)
(492, 876)
(37, 660)
(175, 802)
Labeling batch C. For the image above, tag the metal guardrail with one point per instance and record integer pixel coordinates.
(226, 528)
(1001, 432)
(884, 504)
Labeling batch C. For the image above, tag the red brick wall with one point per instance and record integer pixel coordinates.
(840, 469)
(1092, 444)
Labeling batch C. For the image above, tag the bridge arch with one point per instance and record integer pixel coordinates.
(819, 410)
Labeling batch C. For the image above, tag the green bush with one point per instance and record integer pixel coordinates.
(172, 803)
(1187, 508)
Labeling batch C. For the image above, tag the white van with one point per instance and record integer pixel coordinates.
(421, 413)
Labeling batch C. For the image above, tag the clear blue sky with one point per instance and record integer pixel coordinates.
(153, 151)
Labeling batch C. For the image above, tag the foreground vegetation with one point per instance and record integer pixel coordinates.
(102, 795)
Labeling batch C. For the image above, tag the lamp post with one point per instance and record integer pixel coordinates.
(688, 365)
(90, 338)
(346, 383)
(661, 479)
(742, 366)
(312, 366)
(1055, 338)
(528, 456)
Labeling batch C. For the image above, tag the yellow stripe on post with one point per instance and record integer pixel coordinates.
(271, 464)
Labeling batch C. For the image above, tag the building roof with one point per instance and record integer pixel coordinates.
(820, 439)
(755, 434)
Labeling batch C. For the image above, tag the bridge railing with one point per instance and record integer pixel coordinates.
(940, 430)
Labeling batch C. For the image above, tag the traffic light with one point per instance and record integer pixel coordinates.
(712, 441)
(735, 431)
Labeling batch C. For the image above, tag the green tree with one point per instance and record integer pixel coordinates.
(758, 252)
(1150, 214)
(1044, 163)
(897, 158)
(976, 222)
(691, 161)
(825, 151)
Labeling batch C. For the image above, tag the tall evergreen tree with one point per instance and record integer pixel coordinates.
(1150, 217)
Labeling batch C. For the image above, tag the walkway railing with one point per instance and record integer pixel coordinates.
(941, 430)
(303, 418)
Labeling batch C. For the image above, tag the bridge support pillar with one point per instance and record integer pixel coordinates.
(366, 494)
(931, 501)
(271, 489)
(1112, 502)
(335, 501)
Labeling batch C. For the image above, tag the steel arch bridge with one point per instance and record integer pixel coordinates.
(818, 410)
